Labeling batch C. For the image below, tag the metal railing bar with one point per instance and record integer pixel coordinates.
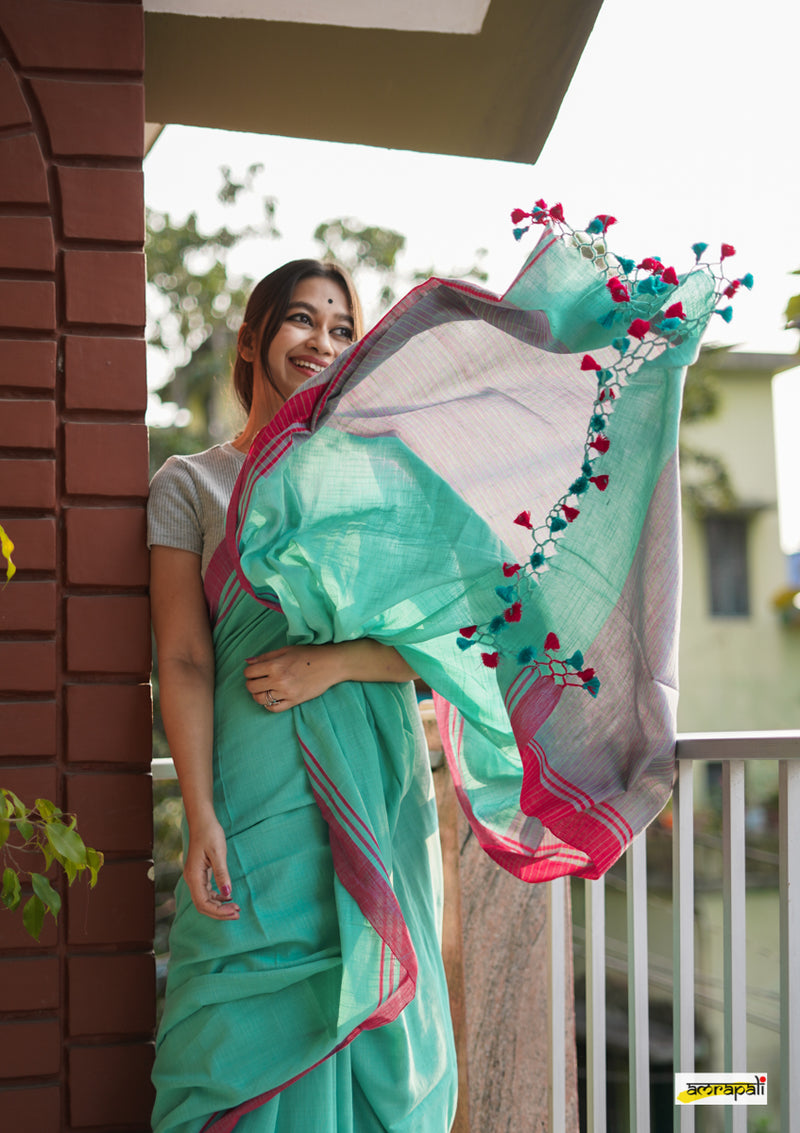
(734, 932)
(558, 944)
(789, 896)
(683, 989)
(595, 1005)
(723, 746)
(638, 999)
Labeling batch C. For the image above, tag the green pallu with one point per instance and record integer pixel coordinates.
(490, 486)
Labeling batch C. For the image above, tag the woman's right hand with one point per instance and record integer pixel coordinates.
(206, 866)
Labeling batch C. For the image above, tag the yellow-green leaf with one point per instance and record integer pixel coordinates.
(7, 549)
(11, 891)
(33, 916)
(94, 859)
(5, 830)
(46, 893)
(47, 810)
(67, 843)
(71, 870)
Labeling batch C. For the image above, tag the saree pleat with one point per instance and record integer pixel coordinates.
(395, 498)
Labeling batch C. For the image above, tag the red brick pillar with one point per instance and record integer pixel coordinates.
(76, 1009)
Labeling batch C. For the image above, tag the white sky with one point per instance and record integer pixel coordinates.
(682, 120)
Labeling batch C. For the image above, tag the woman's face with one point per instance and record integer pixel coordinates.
(317, 328)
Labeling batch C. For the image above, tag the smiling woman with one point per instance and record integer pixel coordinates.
(466, 493)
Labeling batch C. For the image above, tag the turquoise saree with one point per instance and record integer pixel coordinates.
(490, 486)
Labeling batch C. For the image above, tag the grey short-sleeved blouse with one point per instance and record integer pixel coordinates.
(189, 497)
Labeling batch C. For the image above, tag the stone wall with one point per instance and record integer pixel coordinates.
(76, 1009)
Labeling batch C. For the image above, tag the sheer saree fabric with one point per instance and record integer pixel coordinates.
(383, 501)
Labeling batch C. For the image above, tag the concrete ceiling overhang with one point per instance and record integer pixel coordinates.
(463, 17)
(491, 94)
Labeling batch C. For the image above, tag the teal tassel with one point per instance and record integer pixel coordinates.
(557, 523)
(748, 281)
(464, 643)
(537, 559)
(668, 325)
(604, 375)
(496, 624)
(592, 686)
(506, 593)
(525, 656)
(726, 312)
(698, 249)
(586, 468)
(579, 485)
(651, 285)
(576, 660)
(627, 265)
(597, 422)
(621, 344)
(595, 226)
(607, 321)
(519, 233)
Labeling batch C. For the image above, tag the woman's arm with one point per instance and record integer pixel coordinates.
(298, 673)
(186, 686)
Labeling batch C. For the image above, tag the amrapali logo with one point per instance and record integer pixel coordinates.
(720, 1089)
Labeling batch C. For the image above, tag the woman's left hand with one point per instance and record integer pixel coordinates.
(292, 675)
(297, 673)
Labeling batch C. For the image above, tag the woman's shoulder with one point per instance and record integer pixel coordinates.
(219, 460)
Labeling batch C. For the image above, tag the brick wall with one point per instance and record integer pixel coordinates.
(76, 1010)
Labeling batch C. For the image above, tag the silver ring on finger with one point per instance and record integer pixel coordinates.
(269, 699)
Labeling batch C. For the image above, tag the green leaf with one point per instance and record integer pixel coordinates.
(33, 916)
(46, 893)
(5, 830)
(18, 807)
(71, 870)
(11, 892)
(49, 811)
(25, 828)
(793, 309)
(94, 860)
(67, 843)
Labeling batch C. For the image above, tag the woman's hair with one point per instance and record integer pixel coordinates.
(267, 307)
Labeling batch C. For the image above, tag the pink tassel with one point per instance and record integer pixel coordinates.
(570, 513)
(524, 519)
(467, 631)
(490, 660)
(510, 568)
(600, 443)
(675, 311)
(557, 212)
(639, 328)
(586, 674)
(670, 276)
(552, 643)
(513, 613)
(519, 214)
(727, 250)
(589, 363)
(600, 481)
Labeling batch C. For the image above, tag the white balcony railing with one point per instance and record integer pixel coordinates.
(733, 751)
